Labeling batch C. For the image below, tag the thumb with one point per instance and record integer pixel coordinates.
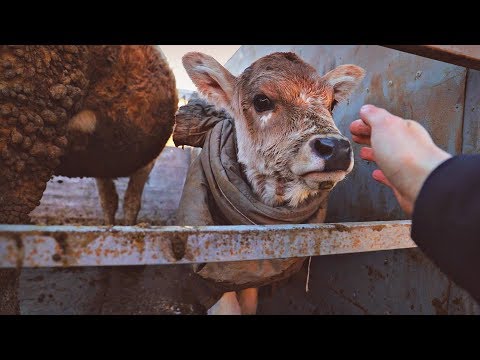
(374, 116)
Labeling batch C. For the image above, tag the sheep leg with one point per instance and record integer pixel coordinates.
(248, 300)
(108, 199)
(227, 305)
(133, 195)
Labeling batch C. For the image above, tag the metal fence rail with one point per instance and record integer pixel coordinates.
(461, 55)
(64, 246)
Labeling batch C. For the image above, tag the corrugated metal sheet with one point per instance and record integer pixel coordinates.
(429, 91)
(387, 282)
(397, 282)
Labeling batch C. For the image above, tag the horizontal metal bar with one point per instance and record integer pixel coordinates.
(462, 55)
(64, 246)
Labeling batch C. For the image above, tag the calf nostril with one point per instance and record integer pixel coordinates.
(324, 147)
(335, 152)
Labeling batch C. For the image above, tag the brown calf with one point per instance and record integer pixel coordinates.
(287, 140)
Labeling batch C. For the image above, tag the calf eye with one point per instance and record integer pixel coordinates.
(262, 103)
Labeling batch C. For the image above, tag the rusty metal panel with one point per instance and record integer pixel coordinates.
(65, 246)
(125, 290)
(462, 55)
(72, 291)
(415, 87)
(397, 282)
(385, 282)
(471, 119)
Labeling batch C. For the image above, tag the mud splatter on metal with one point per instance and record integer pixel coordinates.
(61, 246)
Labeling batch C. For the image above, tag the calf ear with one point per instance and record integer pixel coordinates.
(344, 79)
(211, 79)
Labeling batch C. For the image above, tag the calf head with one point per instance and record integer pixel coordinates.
(287, 140)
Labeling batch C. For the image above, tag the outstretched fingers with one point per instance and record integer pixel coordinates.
(359, 128)
(363, 140)
(381, 178)
(366, 153)
(405, 203)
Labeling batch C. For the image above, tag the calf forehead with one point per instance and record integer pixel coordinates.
(282, 62)
(283, 75)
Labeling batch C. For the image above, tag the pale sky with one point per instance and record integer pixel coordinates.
(174, 54)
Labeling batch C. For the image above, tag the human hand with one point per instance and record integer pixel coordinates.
(403, 150)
